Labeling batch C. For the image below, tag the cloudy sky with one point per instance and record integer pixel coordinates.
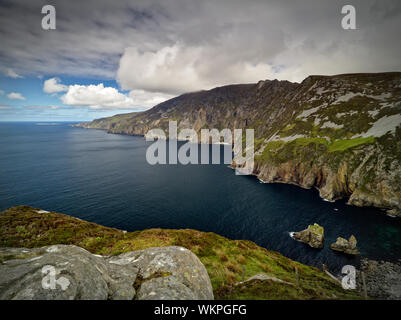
(108, 57)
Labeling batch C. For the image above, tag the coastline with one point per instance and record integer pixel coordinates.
(388, 211)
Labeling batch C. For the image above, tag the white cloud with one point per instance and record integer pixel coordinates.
(12, 74)
(53, 85)
(97, 97)
(42, 107)
(219, 41)
(15, 96)
(177, 69)
(169, 47)
(148, 99)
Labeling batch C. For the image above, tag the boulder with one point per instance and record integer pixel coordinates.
(346, 246)
(313, 235)
(62, 272)
(168, 273)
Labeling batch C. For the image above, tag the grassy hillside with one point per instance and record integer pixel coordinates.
(227, 261)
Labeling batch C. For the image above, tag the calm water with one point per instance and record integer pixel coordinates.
(105, 178)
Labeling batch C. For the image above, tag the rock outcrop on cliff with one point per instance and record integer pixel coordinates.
(340, 134)
(66, 272)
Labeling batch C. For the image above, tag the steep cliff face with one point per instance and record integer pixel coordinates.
(340, 134)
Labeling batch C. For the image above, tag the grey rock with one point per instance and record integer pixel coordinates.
(383, 279)
(262, 276)
(77, 274)
(175, 268)
(65, 272)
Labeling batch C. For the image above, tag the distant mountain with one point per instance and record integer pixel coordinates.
(340, 134)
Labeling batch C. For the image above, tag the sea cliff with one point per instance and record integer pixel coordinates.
(339, 134)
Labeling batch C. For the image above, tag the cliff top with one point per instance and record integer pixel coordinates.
(228, 262)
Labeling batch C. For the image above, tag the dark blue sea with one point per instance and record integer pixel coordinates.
(104, 178)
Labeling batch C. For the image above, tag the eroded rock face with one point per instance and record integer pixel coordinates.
(69, 272)
(313, 235)
(346, 246)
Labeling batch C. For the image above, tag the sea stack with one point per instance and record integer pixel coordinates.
(346, 246)
(313, 235)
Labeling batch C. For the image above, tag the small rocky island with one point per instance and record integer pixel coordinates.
(313, 235)
(346, 246)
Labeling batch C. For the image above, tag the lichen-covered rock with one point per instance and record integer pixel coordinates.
(62, 272)
(313, 235)
(54, 272)
(346, 246)
(168, 273)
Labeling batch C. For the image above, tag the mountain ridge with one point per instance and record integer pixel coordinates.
(339, 134)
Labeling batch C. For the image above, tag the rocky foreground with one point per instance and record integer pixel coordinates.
(339, 134)
(48, 255)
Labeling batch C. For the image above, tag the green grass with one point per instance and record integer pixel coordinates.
(302, 142)
(281, 151)
(341, 145)
(316, 228)
(227, 261)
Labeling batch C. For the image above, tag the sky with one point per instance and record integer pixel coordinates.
(110, 57)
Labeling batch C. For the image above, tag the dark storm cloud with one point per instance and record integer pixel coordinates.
(172, 46)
